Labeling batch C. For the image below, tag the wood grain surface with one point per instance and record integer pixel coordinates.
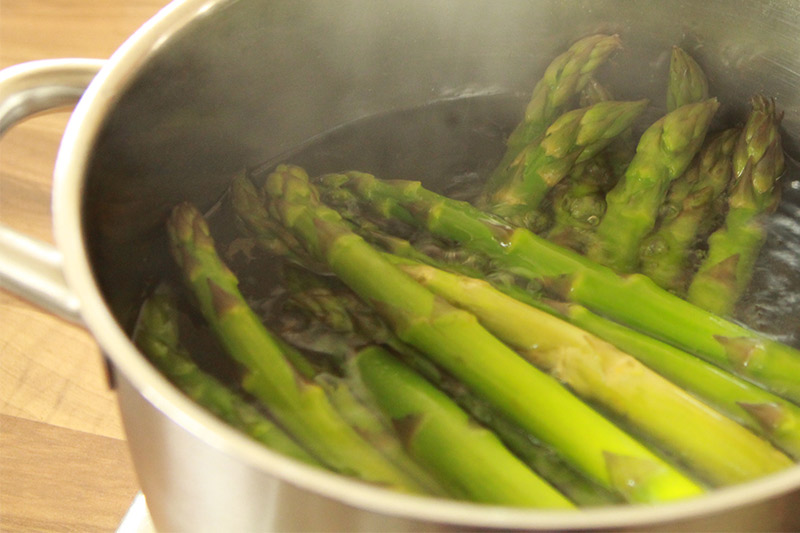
(64, 464)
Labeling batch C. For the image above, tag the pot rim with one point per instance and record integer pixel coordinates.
(69, 175)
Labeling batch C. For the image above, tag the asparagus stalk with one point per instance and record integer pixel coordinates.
(566, 75)
(157, 335)
(666, 254)
(314, 294)
(664, 151)
(574, 137)
(687, 81)
(297, 403)
(758, 162)
(269, 235)
(348, 318)
(580, 202)
(579, 205)
(727, 453)
(442, 437)
(620, 152)
(369, 423)
(454, 339)
(763, 412)
(633, 300)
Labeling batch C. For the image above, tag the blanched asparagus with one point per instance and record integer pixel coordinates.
(690, 205)
(687, 81)
(765, 413)
(619, 153)
(664, 151)
(579, 202)
(353, 325)
(157, 335)
(300, 405)
(633, 300)
(579, 205)
(454, 339)
(348, 318)
(758, 162)
(726, 453)
(574, 137)
(566, 75)
(371, 425)
(435, 431)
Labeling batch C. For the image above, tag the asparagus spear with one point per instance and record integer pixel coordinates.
(579, 205)
(687, 81)
(369, 423)
(619, 153)
(454, 339)
(157, 335)
(441, 436)
(298, 404)
(314, 294)
(269, 235)
(633, 300)
(763, 412)
(666, 254)
(579, 202)
(758, 162)
(573, 138)
(664, 151)
(727, 453)
(566, 75)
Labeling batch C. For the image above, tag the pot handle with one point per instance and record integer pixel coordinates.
(31, 268)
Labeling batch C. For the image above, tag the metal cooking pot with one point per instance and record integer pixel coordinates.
(210, 86)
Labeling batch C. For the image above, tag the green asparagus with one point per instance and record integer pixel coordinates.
(633, 300)
(344, 314)
(579, 202)
(664, 151)
(619, 153)
(758, 162)
(579, 205)
(298, 404)
(157, 335)
(442, 437)
(328, 304)
(574, 137)
(764, 413)
(601, 373)
(666, 255)
(687, 81)
(454, 339)
(566, 75)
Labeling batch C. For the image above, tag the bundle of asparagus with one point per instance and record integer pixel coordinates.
(466, 356)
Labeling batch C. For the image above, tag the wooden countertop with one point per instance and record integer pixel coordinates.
(64, 464)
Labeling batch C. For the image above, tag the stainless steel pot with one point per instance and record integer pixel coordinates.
(209, 86)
